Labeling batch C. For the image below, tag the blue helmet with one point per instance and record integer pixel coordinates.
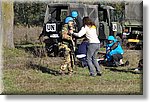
(111, 38)
(74, 14)
(68, 19)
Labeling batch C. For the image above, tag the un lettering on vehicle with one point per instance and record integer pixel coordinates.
(51, 27)
(114, 27)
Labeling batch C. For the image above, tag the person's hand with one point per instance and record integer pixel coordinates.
(71, 31)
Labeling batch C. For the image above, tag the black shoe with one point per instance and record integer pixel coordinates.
(93, 75)
(99, 74)
(126, 63)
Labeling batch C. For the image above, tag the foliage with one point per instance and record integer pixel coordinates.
(32, 13)
(29, 13)
(119, 10)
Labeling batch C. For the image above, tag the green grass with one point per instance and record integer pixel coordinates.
(11, 53)
(19, 77)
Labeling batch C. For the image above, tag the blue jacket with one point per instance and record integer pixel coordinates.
(82, 48)
(117, 50)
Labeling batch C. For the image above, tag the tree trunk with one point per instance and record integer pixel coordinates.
(7, 23)
(1, 24)
(1, 82)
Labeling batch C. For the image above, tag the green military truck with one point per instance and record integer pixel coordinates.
(133, 25)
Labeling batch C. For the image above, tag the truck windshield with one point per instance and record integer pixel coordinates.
(112, 16)
(103, 16)
(58, 13)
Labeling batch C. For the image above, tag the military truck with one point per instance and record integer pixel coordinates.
(108, 23)
(133, 25)
(57, 12)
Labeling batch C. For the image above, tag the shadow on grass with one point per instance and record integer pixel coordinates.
(124, 70)
(44, 69)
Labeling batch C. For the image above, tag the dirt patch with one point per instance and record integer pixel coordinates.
(133, 56)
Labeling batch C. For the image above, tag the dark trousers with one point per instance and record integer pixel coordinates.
(83, 61)
(117, 57)
(115, 62)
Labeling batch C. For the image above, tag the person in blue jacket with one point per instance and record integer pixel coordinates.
(81, 53)
(114, 52)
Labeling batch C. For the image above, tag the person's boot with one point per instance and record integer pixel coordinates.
(92, 75)
(99, 74)
(126, 64)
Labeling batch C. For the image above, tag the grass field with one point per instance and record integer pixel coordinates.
(24, 73)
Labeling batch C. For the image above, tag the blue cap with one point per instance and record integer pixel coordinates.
(68, 19)
(111, 38)
(74, 14)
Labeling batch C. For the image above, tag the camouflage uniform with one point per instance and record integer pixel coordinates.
(65, 45)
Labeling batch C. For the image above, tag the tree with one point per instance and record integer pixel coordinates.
(0, 24)
(29, 13)
(7, 23)
(119, 9)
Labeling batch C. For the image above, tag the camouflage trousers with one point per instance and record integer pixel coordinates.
(67, 59)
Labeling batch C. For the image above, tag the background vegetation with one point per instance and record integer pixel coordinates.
(29, 13)
(32, 13)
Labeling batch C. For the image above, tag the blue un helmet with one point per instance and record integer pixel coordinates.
(68, 19)
(74, 14)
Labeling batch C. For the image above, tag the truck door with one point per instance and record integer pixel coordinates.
(92, 12)
(80, 8)
(54, 18)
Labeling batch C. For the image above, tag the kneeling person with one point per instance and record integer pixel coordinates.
(81, 53)
(114, 53)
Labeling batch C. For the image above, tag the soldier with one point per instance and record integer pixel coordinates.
(67, 45)
(74, 14)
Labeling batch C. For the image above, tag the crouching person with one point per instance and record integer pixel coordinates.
(81, 53)
(114, 53)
